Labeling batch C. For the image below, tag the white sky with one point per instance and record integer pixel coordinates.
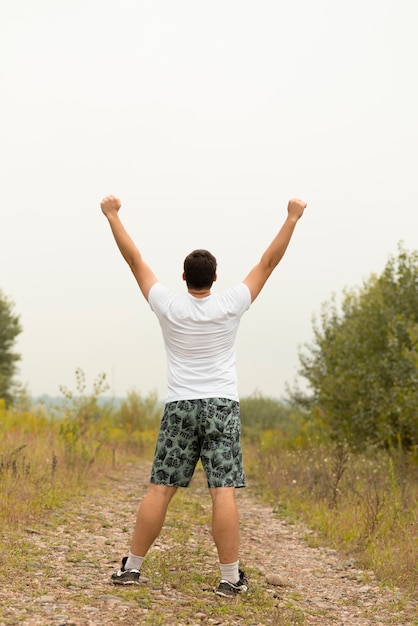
(204, 118)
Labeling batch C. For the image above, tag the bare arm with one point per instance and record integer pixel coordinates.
(256, 279)
(145, 277)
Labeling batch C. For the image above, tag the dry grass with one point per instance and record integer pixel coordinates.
(365, 505)
(44, 470)
(39, 470)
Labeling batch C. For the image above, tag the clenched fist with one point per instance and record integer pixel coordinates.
(110, 205)
(295, 208)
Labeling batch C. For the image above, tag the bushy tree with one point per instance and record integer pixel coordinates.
(10, 328)
(260, 413)
(83, 407)
(137, 413)
(362, 367)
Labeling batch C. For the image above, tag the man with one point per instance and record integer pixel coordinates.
(201, 416)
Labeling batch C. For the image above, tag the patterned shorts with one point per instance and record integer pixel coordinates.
(207, 429)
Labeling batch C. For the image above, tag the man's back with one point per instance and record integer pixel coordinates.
(199, 336)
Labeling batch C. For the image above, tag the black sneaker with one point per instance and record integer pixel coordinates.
(125, 576)
(228, 590)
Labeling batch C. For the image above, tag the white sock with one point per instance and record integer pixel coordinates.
(134, 562)
(229, 572)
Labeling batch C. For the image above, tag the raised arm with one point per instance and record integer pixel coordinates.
(274, 253)
(145, 277)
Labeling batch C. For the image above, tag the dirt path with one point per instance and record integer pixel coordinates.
(66, 564)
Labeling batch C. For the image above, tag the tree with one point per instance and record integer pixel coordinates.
(10, 328)
(260, 413)
(362, 367)
(137, 413)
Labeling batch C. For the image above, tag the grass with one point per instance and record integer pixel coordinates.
(364, 505)
(41, 481)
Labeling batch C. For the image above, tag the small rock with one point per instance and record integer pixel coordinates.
(62, 548)
(322, 605)
(35, 565)
(33, 531)
(109, 598)
(275, 579)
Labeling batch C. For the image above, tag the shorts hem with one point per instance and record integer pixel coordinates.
(222, 486)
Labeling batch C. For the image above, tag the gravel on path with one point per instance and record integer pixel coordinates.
(68, 557)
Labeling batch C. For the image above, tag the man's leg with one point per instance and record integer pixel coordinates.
(152, 511)
(221, 457)
(225, 531)
(149, 521)
(225, 523)
(150, 517)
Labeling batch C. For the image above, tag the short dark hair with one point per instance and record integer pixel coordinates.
(199, 269)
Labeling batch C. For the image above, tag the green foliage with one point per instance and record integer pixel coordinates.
(10, 328)
(83, 408)
(268, 419)
(262, 413)
(362, 367)
(88, 423)
(137, 413)
(84, 425)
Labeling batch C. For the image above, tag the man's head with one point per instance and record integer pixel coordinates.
(199, 269)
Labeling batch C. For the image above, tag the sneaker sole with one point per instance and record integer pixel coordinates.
(127, 582)
(226, 595)
(223, 594)
(124, 582)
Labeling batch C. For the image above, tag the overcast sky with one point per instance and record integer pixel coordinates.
(204, 118)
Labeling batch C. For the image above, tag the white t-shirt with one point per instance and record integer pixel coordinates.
(199, 336)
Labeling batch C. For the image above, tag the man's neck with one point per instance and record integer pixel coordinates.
(199, 293)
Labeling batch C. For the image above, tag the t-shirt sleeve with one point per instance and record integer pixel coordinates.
(238, 299)
(158, 297)
(247, 296)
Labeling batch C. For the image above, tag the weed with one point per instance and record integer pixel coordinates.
(374, 501)
(339, 465)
